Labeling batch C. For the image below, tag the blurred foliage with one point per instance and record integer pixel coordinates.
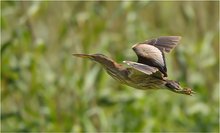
(44, 88)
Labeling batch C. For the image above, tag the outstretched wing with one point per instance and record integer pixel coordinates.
(151, 56)
(144, 69)
(164, 43)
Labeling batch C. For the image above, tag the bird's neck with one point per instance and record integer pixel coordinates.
(113, 66)
(114, 69)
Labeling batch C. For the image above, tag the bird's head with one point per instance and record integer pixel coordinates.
(175, 87)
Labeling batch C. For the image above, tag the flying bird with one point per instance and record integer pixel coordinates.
(149, 72)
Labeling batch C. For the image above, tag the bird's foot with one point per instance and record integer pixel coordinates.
(187, 91)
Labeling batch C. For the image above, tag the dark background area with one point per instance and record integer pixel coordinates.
(44, 88)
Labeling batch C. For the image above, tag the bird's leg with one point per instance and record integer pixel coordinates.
(187, 91)
(175, 87)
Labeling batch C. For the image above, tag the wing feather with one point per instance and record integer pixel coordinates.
(142, 67)
(166, 43)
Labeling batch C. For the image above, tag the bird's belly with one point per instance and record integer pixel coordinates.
(145, 87)
(146, 84)
(143, 82)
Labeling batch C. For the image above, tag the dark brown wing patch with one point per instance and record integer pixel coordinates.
(164, 43)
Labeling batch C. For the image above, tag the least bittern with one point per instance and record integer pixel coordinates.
(149, 72)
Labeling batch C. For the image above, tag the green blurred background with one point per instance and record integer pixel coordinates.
(44, 88)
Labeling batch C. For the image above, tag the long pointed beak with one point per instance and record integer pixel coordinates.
(83, 55)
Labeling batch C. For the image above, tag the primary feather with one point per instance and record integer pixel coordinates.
(165, 43)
